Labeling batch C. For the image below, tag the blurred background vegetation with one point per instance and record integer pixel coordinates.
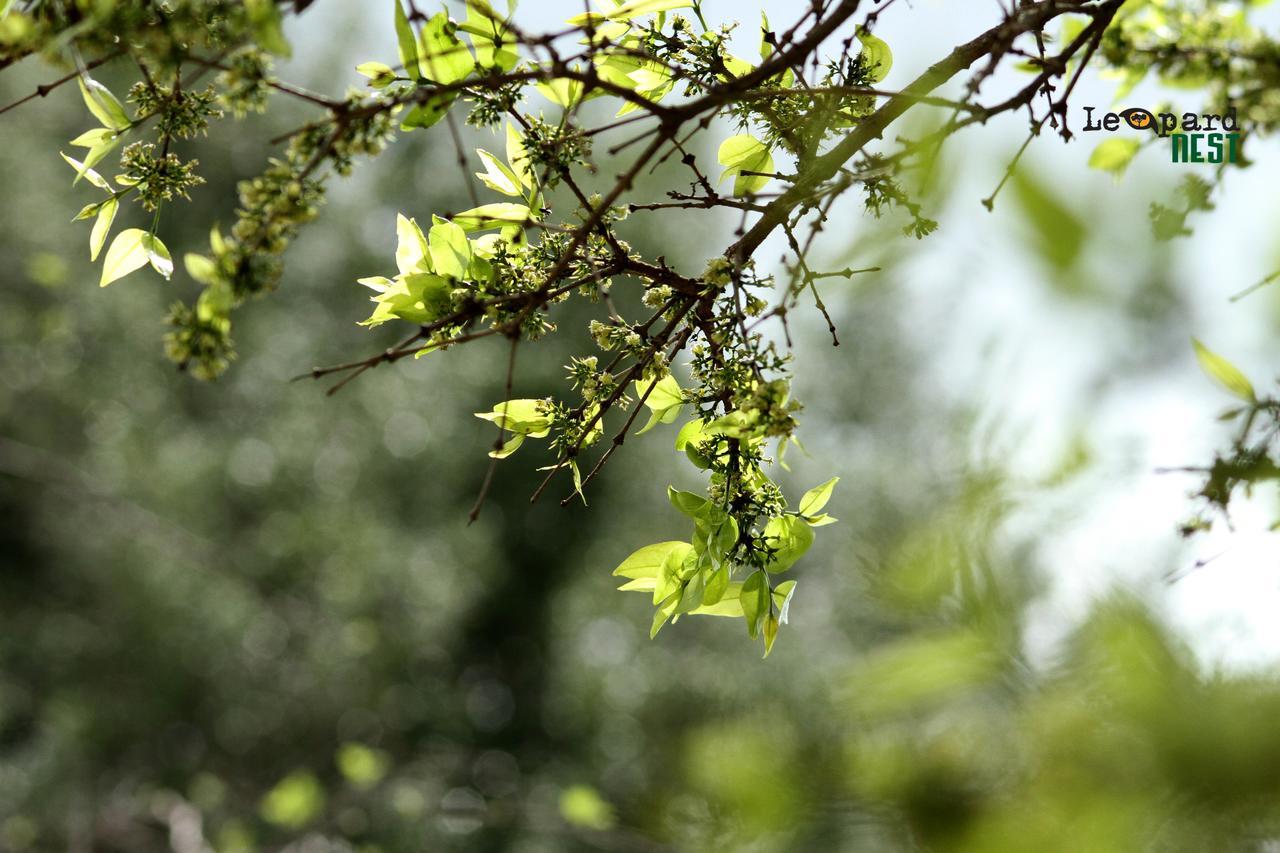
(244, 616)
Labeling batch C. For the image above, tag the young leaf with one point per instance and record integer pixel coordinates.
(105, 106)
(782, 594)
(102, 226)
(646, 562)
(442, 56)
(429, 111)
(1114, 155)
(411, 246)
(745, 153)
(126, 254)
(770, 632)
(637, 8)
(407, 43)
(665, 401)
(1224, 372)
(511, 445)
(83, 171)
(754, 598)
(790, 538)
(816, 498)
(497, 176)
(876, 56)
(518, 157)
(157, 255)
(495, 215)
(380, 74)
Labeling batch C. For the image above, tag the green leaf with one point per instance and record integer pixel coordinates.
(562, 91)
(158, 255)
(95, 137)
(407, 43)
(790, 538)
(126, 254)
(636, 8)
(686, 502)
(745, 153)
(782, 594)
(411, 246)
(488, 32)
(450, 251)
(380, 74)
(527, 416)
(665, 401)
(497, 176)
(441, 54)
(83, 171)
(770, 632)
(430, 111)
(754, 598)
(497, 215)
(816, 498)
(730, 604)
(509, 446)
(876, 55)
(102, 226)
(203, 269)
(518, 157)
(105, 106)
(1114, 155)
(1224, 372)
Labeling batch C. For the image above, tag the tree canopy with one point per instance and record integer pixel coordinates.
(166, 685)
(800, 125)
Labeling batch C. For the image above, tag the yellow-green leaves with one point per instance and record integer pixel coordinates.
(411, 246)
(1224, 372)
(745, 153)
(105, 106)
(1114, 155)
(102, 226)
(380, 74)
(407, 43)
(754, 599)
(496, 176)
(665, 401)
(498, 215)
(643, 567)
(876, 56)
(490, 38)
(133, 249)
(521, 418)
(812, 502)
(636, 8)
(790, 538)
(442, 56)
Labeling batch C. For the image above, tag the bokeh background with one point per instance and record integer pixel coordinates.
(244, 616)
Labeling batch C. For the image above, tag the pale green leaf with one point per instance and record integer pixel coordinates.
(1224, 372)
(126, 254)
(105, 106)
(407, 43)
(102, 226)
(1114, 155)
(745, 153)
(876, 55)
(816, 498)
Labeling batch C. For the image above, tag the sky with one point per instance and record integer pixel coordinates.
(1045, 368)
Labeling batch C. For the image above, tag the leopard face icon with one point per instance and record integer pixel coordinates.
(1138, 118)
